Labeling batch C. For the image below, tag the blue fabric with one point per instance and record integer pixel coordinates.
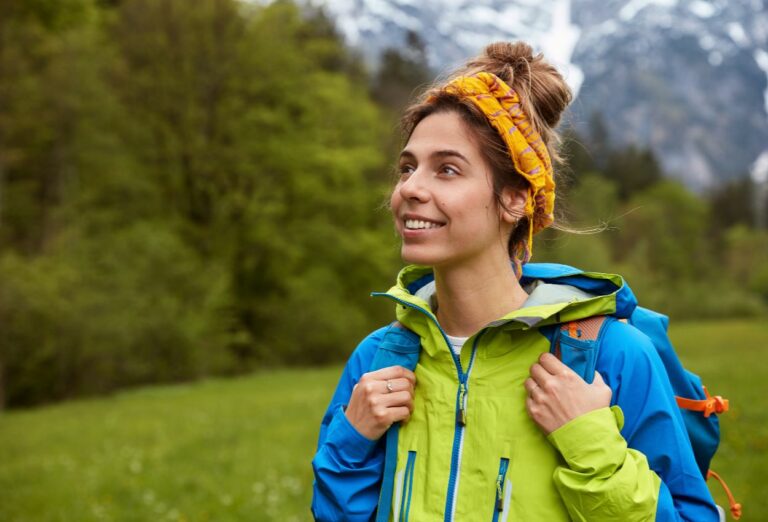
(348, 468)
(398, 346)
(653, 424)
(704, 432)
(568, 275)
(580, 355)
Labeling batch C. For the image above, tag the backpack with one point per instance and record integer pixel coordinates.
(400, 346)
(698, 408)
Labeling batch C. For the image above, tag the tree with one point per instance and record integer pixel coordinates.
(669, 226)
(633, 170)
(731, 204)
(401, 73)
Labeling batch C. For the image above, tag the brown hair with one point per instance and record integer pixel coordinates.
(544, 95)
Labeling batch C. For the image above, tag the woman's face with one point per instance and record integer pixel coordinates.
(444, 207)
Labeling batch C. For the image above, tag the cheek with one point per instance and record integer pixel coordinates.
(394, 201)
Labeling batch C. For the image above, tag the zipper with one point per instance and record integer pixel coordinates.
(461, 413)
(405, 502)
(461, 404)
(501, 501)
(458, 439)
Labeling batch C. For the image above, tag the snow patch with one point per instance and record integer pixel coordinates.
(386, 11)
(702, 9)
(608, 27)
(560, 42)
(737, 34)
(759, 170)
(633, 7)
(348, 27)
(707, 42)
(761, 57)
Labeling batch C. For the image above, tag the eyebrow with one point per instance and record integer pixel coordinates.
(438, 154)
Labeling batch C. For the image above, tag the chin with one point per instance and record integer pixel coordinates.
(413, 256)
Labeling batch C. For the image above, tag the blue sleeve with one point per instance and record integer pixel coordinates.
(653, 424)
(347, 466)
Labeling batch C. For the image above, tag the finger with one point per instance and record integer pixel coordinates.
(396, 385)
(400, 413)
(598, 379)
(530, 406)
(552, 364)
(393, 372)
(540, 375)
(533, 389)
(395, 399)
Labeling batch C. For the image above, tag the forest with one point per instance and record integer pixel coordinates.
(191, 192)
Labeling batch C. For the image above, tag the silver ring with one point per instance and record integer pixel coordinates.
(389, 386)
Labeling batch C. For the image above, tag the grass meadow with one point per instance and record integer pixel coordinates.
(240, 449)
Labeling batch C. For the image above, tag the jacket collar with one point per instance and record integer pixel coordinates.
(558, 293)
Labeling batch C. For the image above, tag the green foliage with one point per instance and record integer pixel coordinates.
(732, 204)
(661, 241)
(633, 169)
(746, 258)
(180, 195)
(103, 312)
(401, 73)
(670, 224)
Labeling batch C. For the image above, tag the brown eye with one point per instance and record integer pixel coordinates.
(449, 170)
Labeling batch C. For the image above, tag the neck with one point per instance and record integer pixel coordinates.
(470, 297)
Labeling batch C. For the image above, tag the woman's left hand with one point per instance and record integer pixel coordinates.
(557, 394)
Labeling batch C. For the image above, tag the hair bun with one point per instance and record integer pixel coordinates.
(540, 84)
(513, 54)
(544, 93)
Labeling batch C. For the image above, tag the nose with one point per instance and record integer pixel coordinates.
(413, 188)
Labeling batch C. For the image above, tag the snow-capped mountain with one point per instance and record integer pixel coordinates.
(687, 77)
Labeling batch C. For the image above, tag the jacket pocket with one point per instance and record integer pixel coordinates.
(503, 493)
(404, 489)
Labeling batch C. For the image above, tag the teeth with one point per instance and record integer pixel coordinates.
(418, 224)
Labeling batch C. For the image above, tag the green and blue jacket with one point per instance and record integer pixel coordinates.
(471, 452)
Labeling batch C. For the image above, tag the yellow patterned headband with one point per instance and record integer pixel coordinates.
(501, 106)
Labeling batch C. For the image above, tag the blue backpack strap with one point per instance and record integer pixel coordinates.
(703, 427)
(577, 343)
(399, 347)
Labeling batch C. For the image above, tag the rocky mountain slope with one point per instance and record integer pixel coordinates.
(689, 78)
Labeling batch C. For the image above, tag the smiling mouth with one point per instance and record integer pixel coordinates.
(418, 224)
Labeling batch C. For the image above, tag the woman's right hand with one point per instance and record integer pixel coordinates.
(374, 406)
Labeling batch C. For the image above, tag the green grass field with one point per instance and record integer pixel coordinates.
(240, 449)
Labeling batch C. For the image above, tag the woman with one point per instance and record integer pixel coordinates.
(492, 426)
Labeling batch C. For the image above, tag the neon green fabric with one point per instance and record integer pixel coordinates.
(592, 448)
(582, 471)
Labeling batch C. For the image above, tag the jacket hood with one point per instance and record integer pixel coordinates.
(557, 294)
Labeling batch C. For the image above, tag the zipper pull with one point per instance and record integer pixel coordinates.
(499, 493)
(461, 415)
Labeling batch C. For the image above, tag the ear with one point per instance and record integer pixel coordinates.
(513, 204)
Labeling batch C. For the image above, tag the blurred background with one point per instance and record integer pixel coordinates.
(191, 220)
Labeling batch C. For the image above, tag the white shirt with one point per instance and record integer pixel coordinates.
(456, 343)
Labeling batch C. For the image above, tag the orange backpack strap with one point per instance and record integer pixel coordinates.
(735, 506)
(709, 405)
